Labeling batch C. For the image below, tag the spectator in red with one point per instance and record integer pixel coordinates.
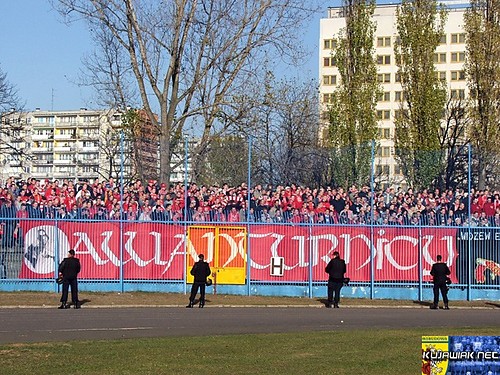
(489, 207)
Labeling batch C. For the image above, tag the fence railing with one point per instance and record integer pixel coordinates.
(251, 258)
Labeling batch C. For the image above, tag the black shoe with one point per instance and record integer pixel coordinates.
(446, 307)
(63, 306)
(201, 305)
(76, 306)
(190, 306)
(336, 305)
(329, 305)
(433, 307)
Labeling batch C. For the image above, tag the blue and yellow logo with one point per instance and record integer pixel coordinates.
(433, 361)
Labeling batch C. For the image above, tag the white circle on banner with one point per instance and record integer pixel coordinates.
(40, 243)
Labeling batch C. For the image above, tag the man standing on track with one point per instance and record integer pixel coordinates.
(440, 272)
(69, 269)
(336, 269)
(200, 271)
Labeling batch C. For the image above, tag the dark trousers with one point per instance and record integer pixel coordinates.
(334, 287)
(444, 292)
(74, 290)
(194, 291)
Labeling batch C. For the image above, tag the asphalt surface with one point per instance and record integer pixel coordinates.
(22, 325)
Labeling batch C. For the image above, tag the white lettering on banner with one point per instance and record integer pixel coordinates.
(241, 245)
(209, 248)
(84, 238)
(157, 244)
(427, 256)
(347, 248)
(232, 245)
(301, 252)
(133, 255)
(178, 250)
(388, 252)
(273, 248)
(475, 235)
(315, 248)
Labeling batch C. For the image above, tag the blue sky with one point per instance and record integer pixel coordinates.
(42, 56)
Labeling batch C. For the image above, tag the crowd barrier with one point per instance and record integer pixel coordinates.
(250, 258)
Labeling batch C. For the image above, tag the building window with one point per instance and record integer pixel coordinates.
(401, 96)
(385, 96)
(330, 80)
(458, 75)
(384, 133)
(397, 170)
(384, 41)
(382, 169)
(329, 44)
(327, 98)
(384, 59)
(383, 114)
(384, 152)
(457, 94)
(441, 76)
(88, 119)
(45, 120)
(442, 39)
(384, 78)
(65, 157)
(440, 58)
(329, 61)
(399, 113)
(457, 57)
(89, 144)
(458, 38)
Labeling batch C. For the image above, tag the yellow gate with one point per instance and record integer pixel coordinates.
(225, 249)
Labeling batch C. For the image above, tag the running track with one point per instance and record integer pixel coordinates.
(19, 325)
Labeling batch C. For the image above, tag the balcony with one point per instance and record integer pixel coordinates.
(42, 149)
(63, 162)
(41, 137)
(89, 149)
(42, 162)
(62, 149)
(64, 136)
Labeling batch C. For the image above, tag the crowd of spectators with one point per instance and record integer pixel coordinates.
(153, 201)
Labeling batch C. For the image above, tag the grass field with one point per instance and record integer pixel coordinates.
(378, 352)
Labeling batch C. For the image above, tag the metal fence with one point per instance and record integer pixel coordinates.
(251, 258)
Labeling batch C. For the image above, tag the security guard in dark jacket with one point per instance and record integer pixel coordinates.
(200, 271)
(440, 272)
(336, 269)
(68, 270)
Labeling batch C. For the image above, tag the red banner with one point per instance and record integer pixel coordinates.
(154, 251)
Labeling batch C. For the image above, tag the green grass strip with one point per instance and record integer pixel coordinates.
(344, 352)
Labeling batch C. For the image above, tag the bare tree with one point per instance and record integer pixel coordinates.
(285, 133)
(190, 60)
(454, 143)
(12, 124)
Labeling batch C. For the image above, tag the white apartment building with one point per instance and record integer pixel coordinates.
(76, 145)
(61, 144)
(449, 59)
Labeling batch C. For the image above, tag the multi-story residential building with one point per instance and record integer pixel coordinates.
(81, 145)
(75, 144)
(449, 59)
